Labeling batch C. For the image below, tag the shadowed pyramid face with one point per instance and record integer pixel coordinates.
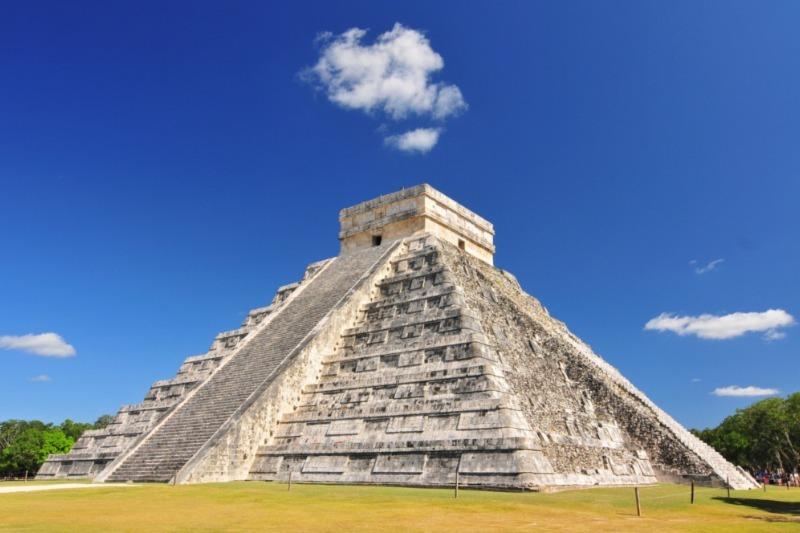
(403, 361)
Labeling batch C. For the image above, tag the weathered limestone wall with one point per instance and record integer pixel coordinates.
(676, 453)
(468, 241)
(409, 396)
(389, 231)
(583, 444)
(594, 420)
(229, 454)
(420, 387)
(411, 211)
(401, 363)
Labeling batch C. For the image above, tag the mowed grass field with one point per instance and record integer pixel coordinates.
(250, 506)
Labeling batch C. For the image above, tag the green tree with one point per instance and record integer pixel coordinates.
(74, 429)
(792, 434)
(11, 429)
(766, 423)
(765, 435)
(25, 444)
(31, 447)
(54, 441)
(102, 421)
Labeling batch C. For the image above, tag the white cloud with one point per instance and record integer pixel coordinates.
(702, 269)
(392, 74)
(45, 344)
(736, 391)
(41, 378)
(696, 380)
(420, 140)
(449, 101)
(774, 335)
(724, 327)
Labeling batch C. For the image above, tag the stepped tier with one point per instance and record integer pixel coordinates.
(416, 390)
(449, 368)
(409, 359)
(189, 427)
(97, 448)
(574, 395)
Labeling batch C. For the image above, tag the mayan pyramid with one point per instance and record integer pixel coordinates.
(405, 360)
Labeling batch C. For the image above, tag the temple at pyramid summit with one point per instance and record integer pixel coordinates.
(408, 359)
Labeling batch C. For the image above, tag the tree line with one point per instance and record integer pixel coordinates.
(762, 437)
(25, 444)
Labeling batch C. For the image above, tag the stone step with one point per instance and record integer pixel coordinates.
(472, 444)
(170, 446)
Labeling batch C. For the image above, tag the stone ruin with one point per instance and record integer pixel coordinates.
(408, 359)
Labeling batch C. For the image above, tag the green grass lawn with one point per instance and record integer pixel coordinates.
(268, 506)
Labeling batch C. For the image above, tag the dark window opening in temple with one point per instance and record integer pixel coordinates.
(376, 240)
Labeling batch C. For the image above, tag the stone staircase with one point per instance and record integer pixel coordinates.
(410, 393)
(411, 363)
(180, 436)
(96, 449)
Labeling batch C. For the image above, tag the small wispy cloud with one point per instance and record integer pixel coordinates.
(696, 380)
(704, 268)
(420, 140)
(392, 76)
(41, 378)
(44, 344)
(708, 326)
(774, 335)
(736, 391)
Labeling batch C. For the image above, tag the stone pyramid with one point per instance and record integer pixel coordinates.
(408, 359)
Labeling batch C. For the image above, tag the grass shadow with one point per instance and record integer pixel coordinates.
(770, 506)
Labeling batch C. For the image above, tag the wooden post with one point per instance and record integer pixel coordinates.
(458, 469)
(26, 476)
(692, 491)
(638, 504)
(290, 481)
(728, 485)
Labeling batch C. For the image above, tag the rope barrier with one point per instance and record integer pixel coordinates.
(681, 494)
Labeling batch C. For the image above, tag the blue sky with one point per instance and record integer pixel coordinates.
(165, 166)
